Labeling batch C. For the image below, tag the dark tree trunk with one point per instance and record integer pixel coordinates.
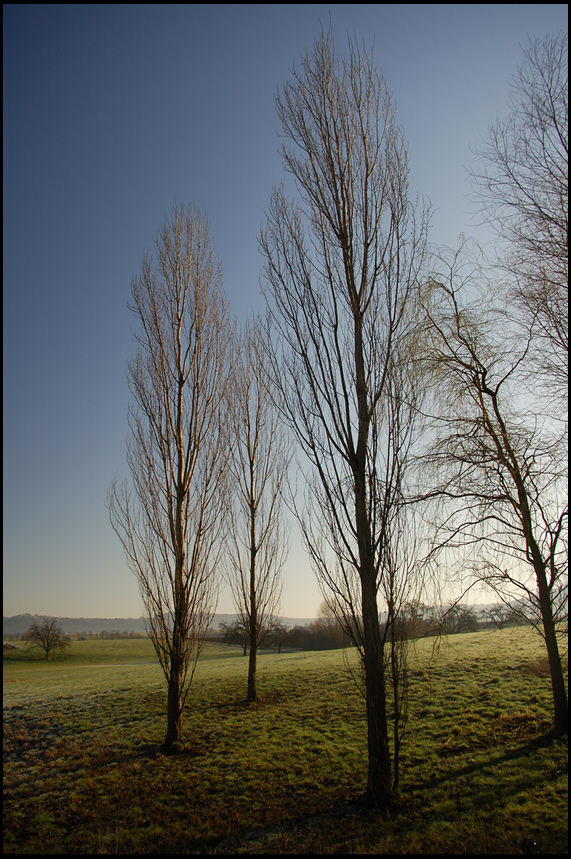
(379, 792)
(173, 737)
(174, 711)
(252, 693)
(252, 665)
(560, 707)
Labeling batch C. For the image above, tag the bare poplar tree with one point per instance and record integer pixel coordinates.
(258, 543)
(521, 186)
(169, 520)
(341, 269)
(498, 460)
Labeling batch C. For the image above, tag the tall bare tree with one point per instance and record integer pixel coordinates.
(498, 460)
(169, 520)
(258, 543)
(341, 269)
(521, 186)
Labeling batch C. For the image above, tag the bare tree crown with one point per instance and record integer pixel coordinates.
(171, 517)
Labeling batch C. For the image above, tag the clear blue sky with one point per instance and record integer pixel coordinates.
(111, 112)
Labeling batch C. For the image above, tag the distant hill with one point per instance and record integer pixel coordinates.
(19, 623)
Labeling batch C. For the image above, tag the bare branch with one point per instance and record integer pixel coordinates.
(521, 189)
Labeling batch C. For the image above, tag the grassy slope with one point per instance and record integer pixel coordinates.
(82, 772)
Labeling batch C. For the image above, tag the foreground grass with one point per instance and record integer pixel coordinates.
(83, 772)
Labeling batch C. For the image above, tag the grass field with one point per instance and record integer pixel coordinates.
(83, 773)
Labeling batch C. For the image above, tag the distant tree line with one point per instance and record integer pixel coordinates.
(328, 633)
(82, 636)
(105, 635)
(317, 635)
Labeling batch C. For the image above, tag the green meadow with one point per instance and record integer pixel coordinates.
(83, 772)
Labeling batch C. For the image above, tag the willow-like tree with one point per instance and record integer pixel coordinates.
(258, 544)
(169, 518)
(341, 266)
(496, 460)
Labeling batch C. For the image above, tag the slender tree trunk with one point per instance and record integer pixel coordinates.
(397, 679)
(252, 693)
(379, 782)
(560, 707)
(175, 681)
(252, 665)
(379, 791)
(174, 707)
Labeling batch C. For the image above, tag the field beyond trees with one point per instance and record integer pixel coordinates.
(480, 772)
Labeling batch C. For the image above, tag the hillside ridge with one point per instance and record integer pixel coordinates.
(19, 623)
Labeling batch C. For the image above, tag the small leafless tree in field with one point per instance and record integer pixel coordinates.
(521, 187)
(498, 462)
(342, 266)
(170, 518)
(258, 542)
(504, 614)
(48, 635)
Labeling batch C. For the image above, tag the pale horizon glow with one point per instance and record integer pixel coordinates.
(111, 113)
